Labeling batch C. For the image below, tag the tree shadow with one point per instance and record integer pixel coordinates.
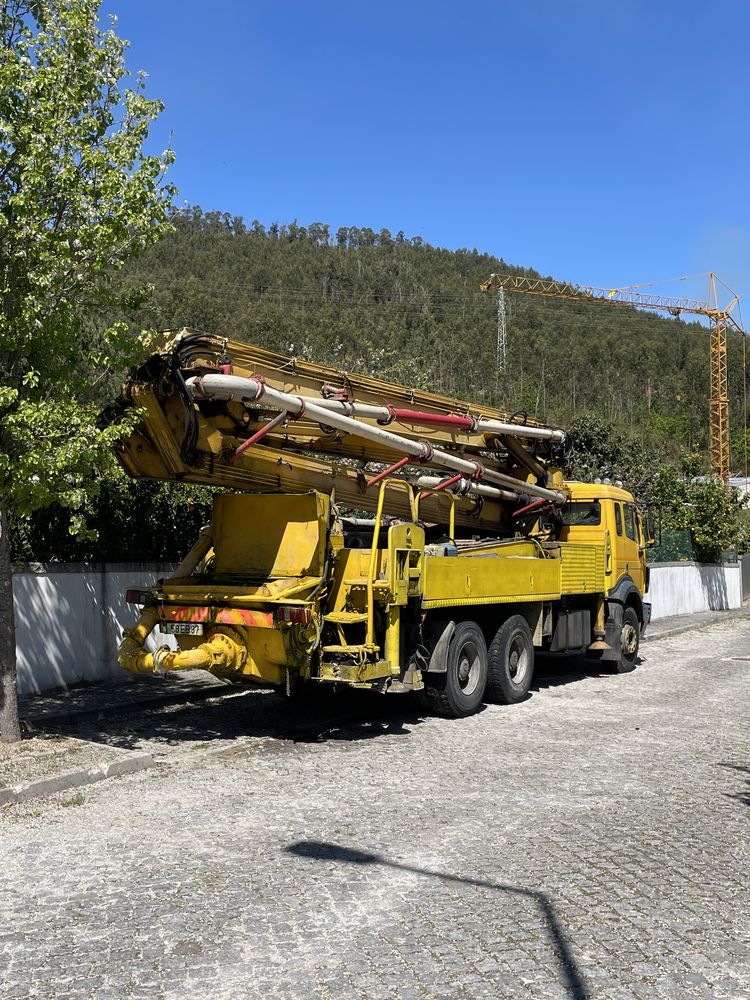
(571, 975)
(743, 795)
(81, 607)
(714, 585)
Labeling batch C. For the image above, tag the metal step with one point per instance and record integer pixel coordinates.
(345, 617)
(358, 674)
(360, 650)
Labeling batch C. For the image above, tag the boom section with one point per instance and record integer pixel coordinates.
(230, 414)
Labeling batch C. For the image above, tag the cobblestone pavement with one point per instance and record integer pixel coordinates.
(592, 841)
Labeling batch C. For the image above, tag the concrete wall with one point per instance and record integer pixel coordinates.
(681, 588)
(69, 619)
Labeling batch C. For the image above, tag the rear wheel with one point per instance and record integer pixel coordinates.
(630, 636)
(511, 662)
(460, 690)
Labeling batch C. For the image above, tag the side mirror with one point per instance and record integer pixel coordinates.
(652, 524)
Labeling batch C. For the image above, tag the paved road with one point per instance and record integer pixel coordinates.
(590, 842)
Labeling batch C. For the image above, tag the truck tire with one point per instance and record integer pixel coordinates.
(630, 636)
(511, 662)
(460, 690)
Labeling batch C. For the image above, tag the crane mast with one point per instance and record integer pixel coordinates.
(720, 316)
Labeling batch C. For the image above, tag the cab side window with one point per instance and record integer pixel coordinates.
(581, 512)
(630, 521)
(618, 518)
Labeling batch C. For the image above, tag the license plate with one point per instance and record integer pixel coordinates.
(182, 628)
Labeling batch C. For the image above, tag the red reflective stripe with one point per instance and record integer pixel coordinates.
(224, 616)
(185, 614)
(243, 616)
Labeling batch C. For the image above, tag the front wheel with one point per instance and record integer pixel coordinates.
(460, 690)
(511, 662)
(630, 636)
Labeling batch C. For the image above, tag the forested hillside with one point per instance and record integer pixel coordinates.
(397, 307)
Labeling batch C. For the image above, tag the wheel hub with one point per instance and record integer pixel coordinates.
(628, 639)
(517, 661)
(464, 669)
(468, 668)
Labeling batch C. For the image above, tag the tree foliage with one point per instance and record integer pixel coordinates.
(78, 197)
(630, 387)
(127, 521)
(711, 512)
(596, 450)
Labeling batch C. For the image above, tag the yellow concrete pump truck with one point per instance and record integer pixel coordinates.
(372, 535)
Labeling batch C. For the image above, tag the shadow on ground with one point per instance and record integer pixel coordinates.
(345, 716)
(556, 669)
(571, 976)
(743, 795)
(256, 713)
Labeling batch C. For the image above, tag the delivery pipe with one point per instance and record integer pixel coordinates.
(221, 651)
(464, 487)
(255, 389)
(468, 423)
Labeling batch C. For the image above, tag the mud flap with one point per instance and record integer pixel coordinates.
(613, 631)
(437, 638)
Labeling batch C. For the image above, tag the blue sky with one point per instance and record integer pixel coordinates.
(602, 142)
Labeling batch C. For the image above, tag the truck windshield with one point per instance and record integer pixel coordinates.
(582, 512)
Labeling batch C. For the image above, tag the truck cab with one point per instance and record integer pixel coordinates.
(608, 514)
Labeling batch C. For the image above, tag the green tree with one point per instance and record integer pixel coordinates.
(595, 449)
(78, 197)
(711, 511)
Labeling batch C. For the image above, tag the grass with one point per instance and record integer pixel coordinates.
(76, 800)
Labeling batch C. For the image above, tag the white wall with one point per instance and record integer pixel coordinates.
(69, 619)
(681, 588)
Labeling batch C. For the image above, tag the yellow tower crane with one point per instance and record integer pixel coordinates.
(720, 317)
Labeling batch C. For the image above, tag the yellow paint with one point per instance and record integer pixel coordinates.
(623, 555)
(482, 579)
(355, 673)
(393, 485)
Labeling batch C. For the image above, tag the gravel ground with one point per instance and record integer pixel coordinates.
(591, 842)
